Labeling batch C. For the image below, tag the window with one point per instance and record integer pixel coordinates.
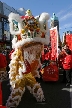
(0, 30)
(6, 11)
(6, 29)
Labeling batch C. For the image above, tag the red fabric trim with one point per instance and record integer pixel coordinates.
(26, 17)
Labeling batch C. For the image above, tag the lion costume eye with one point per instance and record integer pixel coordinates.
(15, 25)
(44, 25)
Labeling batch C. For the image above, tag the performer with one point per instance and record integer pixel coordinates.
(30, 33)
(45, 57)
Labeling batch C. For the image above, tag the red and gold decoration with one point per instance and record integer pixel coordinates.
(30, 23)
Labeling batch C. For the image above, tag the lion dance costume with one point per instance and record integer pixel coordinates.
(30, 33)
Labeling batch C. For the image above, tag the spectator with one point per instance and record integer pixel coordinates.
(67, 61)
(59, 50)
(3, 61)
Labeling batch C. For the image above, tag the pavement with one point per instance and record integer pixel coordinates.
(56, 93)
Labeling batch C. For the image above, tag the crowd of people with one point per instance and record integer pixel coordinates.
(64, 60)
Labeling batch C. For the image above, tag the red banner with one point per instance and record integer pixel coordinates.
(69, 40)
(54, 43)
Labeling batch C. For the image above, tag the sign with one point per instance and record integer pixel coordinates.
(69, 40)
(54, 43)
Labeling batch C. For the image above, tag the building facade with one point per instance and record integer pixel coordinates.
(53, 23)
(5, 10)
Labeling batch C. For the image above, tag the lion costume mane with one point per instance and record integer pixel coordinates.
(30, 33)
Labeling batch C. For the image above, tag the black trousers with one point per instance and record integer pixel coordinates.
(67, 75)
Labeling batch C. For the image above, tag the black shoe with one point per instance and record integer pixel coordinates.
(68, 84)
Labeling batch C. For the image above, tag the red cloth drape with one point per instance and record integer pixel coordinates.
(51, 73)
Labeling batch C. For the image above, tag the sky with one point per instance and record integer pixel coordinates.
(62, 9)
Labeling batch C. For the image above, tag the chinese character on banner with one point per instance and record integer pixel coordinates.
(69, 40)
(54, 43)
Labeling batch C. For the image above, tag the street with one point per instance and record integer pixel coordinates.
(56, 93)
